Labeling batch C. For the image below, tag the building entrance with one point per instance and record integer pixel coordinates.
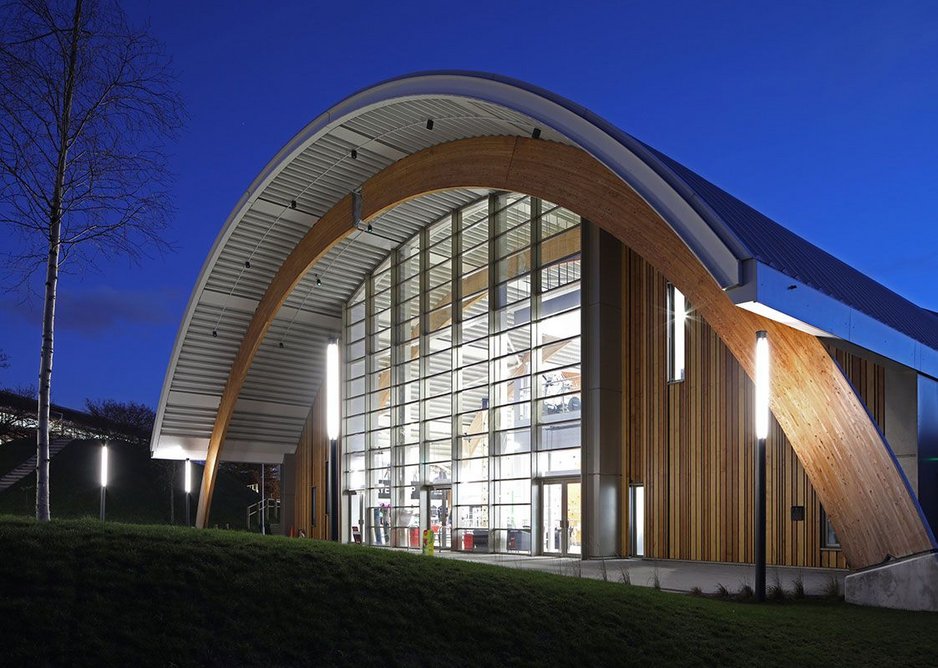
(561, 527)
(441, 516)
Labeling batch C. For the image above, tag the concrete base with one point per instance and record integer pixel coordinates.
(907, 584)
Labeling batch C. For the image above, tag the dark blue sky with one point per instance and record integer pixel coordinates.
(824, 116)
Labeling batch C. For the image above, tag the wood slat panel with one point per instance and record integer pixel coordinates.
(698, 467)
(312, 452)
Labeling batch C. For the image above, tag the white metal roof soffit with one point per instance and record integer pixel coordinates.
(288, 369)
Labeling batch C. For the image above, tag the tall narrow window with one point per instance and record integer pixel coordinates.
(677, 316)
(637, 519)
(829, 538)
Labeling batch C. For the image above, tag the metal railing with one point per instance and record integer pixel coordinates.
(264, 513)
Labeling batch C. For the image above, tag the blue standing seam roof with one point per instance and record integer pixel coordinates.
(782, 249)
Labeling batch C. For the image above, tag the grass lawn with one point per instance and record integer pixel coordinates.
(75, 592)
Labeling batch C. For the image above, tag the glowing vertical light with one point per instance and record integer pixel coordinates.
(104, 465)
(677, 324)
(762, 385)
(332, 390)
(188, 477)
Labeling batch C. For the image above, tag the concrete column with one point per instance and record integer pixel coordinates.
(601, 390)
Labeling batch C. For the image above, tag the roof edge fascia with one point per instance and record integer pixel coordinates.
(771, 293)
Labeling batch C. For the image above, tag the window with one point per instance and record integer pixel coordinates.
(829, 540)
(464, 369)
(637, 519)
(677, 318)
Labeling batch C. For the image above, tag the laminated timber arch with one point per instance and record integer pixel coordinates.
(844, 454)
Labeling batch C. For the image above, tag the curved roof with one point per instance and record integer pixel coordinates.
(371, 129)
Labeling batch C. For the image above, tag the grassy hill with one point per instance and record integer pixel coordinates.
(138, 486)
(83, 593)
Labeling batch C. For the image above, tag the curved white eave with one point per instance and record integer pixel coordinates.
(691, 219)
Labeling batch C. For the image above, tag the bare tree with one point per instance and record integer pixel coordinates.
(87, 105)
(126, 420)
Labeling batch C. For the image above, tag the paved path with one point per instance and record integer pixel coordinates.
(29, 466)
(672, 575)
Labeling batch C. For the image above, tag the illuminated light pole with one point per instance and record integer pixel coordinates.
(103, 479)
(762, 432)
(188, 477)
(332, 428)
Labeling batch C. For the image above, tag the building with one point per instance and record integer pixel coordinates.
(547, 334)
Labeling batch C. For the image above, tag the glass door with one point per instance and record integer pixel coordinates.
(441, 517)
(561, 528)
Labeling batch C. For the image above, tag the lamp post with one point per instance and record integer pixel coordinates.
(263, 506)
(188, 478)
(332, 427)
(762, 432)
(103, 479)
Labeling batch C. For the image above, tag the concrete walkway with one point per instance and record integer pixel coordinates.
(679, 576)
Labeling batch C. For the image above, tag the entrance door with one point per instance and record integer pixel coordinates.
(561, 529)
(441, 516)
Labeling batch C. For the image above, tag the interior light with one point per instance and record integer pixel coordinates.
(332, 390)
(762, 385)
(680, 321)
(188, 477)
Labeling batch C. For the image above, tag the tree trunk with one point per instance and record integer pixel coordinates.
(52, 277)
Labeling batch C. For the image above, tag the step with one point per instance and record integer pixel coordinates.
(29, 466)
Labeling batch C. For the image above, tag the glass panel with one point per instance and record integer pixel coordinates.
(440, 252)
(558, 436)
(356, 313)
(382, 281)
(554, 220)
(475, 328)
(383, 300)
(477, 304)
(558, 462)
(558, 408)
(552, 514)
(574, 528)
(514, 265)
(514, 466)
(473, 422)
(410, 288)
(473, 446)
(509, 442)
(559, 274)
(513, 240)
(356, 331)
(512, 291)
(558, 354)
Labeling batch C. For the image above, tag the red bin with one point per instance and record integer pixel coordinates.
(467, 541)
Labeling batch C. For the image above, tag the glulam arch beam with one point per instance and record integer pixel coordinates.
(843, 452)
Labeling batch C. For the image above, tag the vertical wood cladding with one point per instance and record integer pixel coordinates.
(310, 468)
(691, 443)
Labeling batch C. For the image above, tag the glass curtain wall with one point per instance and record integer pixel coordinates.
(463, 378)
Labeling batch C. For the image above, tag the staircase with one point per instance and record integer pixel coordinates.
(29, 466)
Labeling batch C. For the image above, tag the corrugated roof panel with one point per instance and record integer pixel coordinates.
(794, 256)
